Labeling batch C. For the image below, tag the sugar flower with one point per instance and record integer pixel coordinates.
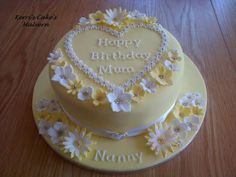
(160, 139)
(83, 21)
(99, 97)
(43, 126)
(54, 56)
(74, 86)
(96, 17)
(85, 93)
(53, 106)
(42, 105)
(120, 101)
(136, 15)
(197, 110)
(148, 86)
(192, 99)
(178, 129)
(193, 122)
(173, 55)
(57, 131)
(115, 17)
(162, 75)
(47, 105)
(63, 75)
(181, 111)
(78, 143)
(170, 66)
(137, 92)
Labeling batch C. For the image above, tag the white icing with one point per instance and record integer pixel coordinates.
(118, 43)
(109, 69)
(103, 155)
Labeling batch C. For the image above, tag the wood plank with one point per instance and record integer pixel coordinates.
(23, 53)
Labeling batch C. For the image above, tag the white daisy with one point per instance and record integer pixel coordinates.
(83, 21)
(43, 126)
(198, 101)
(115, 16)
(136, 15)
(160, 139)
(63, 74)
(169, 65)
(57, 131)
(148, 86)
(85, 93)
(54, 56)
(120, 101)
(193, 122)
(192, 99)
(77, 143)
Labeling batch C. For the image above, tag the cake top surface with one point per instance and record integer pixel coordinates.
(117, 57)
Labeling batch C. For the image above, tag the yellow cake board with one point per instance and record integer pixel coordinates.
(193, 82)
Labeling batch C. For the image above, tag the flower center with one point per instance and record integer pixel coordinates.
(85, 93)
(100, 98)
(181, 114)
(117, 101)
(177, 129)
(161, 76)
(161, 140)
(63, 76)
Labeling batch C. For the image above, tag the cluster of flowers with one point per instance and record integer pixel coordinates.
(119, 99)
(116, 18)
(75, 141)
(163, 137)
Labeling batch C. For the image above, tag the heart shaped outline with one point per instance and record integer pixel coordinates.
(99, 79)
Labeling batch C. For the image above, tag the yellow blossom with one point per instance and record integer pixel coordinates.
(96, 17)
(99, 97)
(173, 55)
(137, 93)
(59, 62)
(74, 86)
(181, 111)
(197, 110)
(150, 20)
(162, 75)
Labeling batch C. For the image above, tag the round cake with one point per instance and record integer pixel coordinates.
(117, 76)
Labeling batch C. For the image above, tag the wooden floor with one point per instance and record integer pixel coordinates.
(206, 30)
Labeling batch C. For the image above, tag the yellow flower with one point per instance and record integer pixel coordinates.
(181, 111)
(162, 75)
(99, 97)
(137, 93)
(150, 20)
(96, 17)
(197, 110)
(74, 86)
(173, 55)
(59, 62)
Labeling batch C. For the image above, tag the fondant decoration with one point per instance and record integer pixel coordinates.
(74, 86)
(162, 75)
(99, 97)
(96, 17)
(178, 129)
(43, 126)
(136, 15)
(57, 131)
(138, 93)
(48, 105)
(173, 55)
(169, 65)
(120, 100)
(193, 122)
(148, 86)
(160, 139)
(115, 17)
(83, 21)
(78, 143)
(181, 111)
(104, 155)
(54, 56)
(192, 99)
(85, 93)
(63, 75)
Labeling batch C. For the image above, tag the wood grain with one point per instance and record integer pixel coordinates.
(207, 32)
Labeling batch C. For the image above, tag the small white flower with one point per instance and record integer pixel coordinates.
(192, 99)
(136, 15)
(85, 93)
(198, 101)
(43, 126)
(53, 106)
(120, 101)
(54, 56)
(115, 16)
(83, 21)
(160, 139)
(178, 129)
(169, 65)
(63, 74)
(57, 131)
(192, 122)
(77, 143)
(42, 105)
(148, 86)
